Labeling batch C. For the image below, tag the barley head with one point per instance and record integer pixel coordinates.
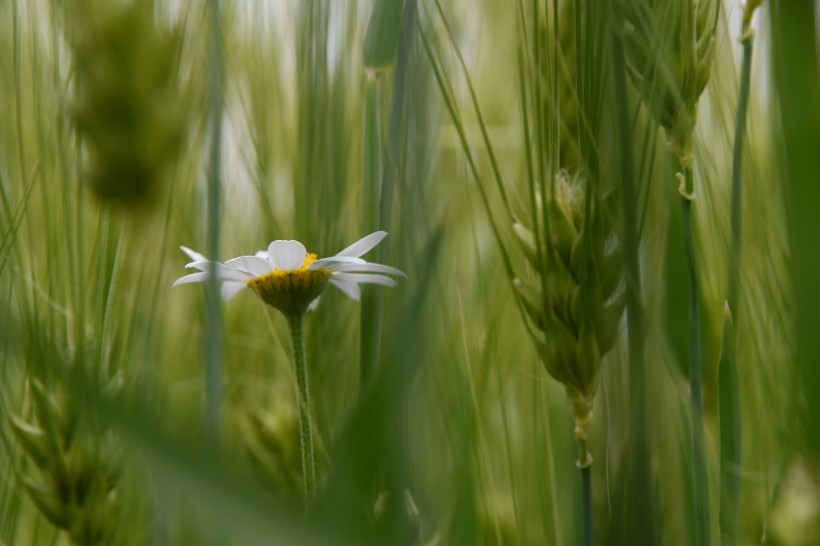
(670, 49)
(74, 484)
(573, 302)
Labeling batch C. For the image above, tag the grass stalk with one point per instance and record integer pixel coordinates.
(585, 466)
(730, 432)
(371, 315)
(213, 327)
(398, 118)
(386, 45)
(701, 482)
(296, 323)
(728, 384)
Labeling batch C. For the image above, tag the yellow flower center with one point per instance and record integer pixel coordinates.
(291, 290)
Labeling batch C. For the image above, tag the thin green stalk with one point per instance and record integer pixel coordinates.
(296, 324)
(640, 521)
(737, 164)
(585, 466)
(213, 326)
(385, 45)
(728, 382)
(730, 432)
(371, 314)
(701, 482)
(398, 118)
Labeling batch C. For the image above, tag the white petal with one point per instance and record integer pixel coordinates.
(195, 256)
(201, 265)
(314, 304)
(261, 254)
(198, 260)
(369, 268)
(366, 278)
(193, 277)
(333, 262)
(363, 245)
(251, 264)
(231, 288)
(287, 254)
(228, 273)
(347, 286)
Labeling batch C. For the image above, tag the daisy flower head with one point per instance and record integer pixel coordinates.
(289, 278)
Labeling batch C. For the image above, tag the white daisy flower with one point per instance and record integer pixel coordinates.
(289, 278)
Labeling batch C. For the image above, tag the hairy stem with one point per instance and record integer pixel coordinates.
(296, 323)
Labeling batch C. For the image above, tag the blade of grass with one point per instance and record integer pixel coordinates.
(371, 313)
(728, 381)
(384, 34)
(213, 327)
(392, 169)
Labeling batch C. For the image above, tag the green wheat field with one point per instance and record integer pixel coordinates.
(409, 272)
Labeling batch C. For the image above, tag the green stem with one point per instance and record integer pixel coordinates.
(701, 482)
(728, 387)
(213, 326)
(585, 465)
(296, 323)
(737, 188)
(371, 312)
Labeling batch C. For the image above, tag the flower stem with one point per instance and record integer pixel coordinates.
(296, 323)
(701, 483)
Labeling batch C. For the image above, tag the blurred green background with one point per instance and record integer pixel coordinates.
(457, 435)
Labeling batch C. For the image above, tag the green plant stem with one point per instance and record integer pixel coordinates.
(213, 327)
(371, 314)
(737, 164)
(585, 466)
(730, 432)
(701, 482)
(728, 387)
(586, 485)
(296, 323)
